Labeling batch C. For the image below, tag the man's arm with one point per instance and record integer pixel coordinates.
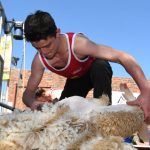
(37, 71)
(84, 46)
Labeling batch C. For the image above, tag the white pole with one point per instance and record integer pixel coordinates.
(1, 25)
(24, 62)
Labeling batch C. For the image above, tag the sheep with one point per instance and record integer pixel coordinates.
(119, 120)
(70, 124)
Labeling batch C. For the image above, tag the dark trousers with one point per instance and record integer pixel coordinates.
(98, 77)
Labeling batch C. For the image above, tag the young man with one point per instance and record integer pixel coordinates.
(83, 62)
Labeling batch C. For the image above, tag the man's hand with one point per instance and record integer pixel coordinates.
(143, 101)
(37, 105)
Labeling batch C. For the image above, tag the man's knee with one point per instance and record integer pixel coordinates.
(101, 67)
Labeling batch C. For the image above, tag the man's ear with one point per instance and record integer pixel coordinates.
(58, 32)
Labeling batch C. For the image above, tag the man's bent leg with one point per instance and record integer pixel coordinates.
(79, 86)
(101, 77)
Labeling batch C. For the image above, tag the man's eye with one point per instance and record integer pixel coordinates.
(38, 49)
(48, 45)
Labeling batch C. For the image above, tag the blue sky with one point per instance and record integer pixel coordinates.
(121, 24)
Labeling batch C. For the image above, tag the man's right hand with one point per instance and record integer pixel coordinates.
(37, 105)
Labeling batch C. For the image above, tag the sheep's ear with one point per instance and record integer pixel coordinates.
(127, 93)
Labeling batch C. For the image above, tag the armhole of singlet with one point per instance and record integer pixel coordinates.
(40, 57)
(72, 49)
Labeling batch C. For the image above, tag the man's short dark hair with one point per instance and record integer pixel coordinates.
(39, 26)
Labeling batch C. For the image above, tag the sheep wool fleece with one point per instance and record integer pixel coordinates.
(73, 123)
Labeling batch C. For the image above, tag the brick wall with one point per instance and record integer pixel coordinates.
(50, 80)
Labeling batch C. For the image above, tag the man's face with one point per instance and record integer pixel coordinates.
(48, 47)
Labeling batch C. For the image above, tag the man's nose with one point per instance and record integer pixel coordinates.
(43, 50)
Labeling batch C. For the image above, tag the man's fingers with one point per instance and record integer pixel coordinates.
(39, 107)
(146, 112)
(133, 103)
(147, 118)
